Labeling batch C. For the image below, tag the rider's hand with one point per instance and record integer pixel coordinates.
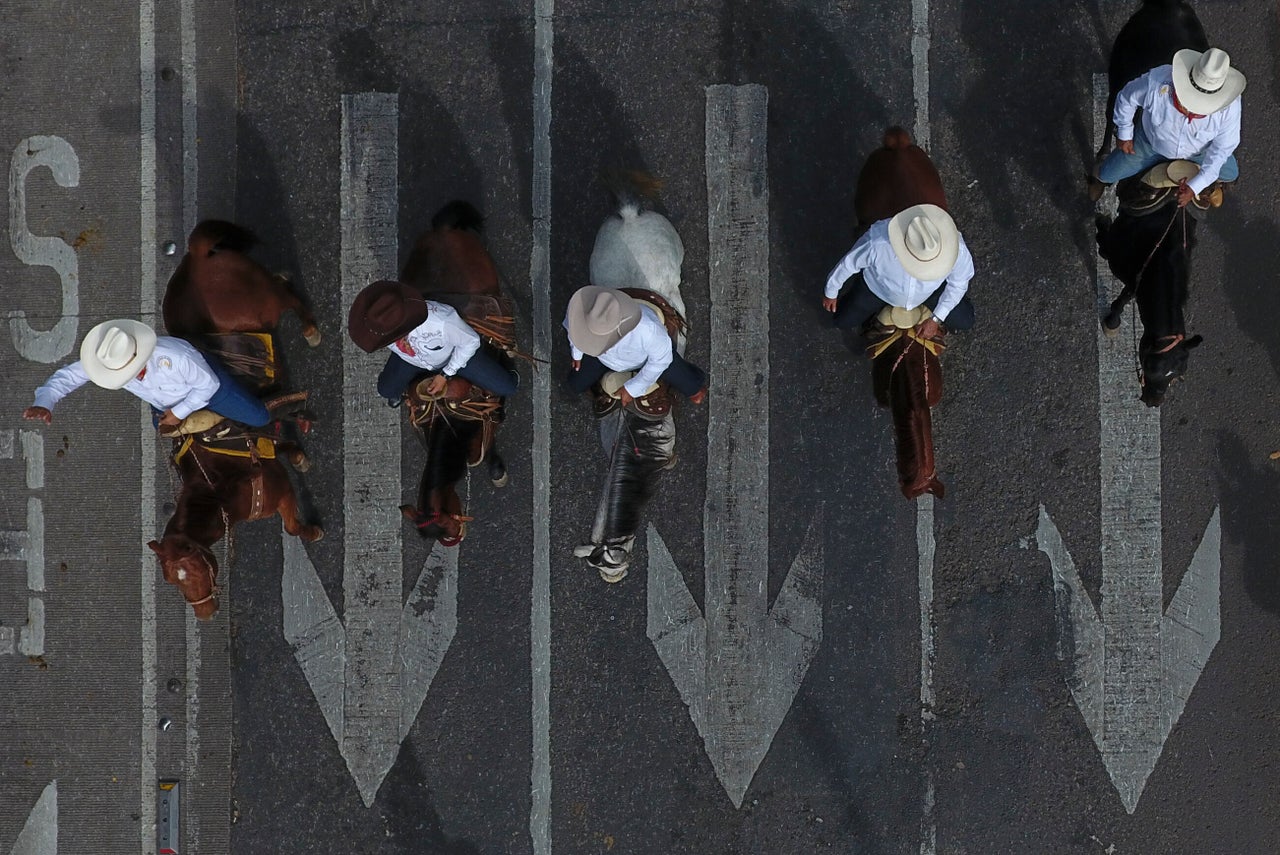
(38, 414)
(829, 303)
(437, 384)
(929, 328)
(169, 419)
(1185, 193)
(1125, 146)
(625, 396)
(577, 363)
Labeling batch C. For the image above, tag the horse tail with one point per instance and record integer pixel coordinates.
(458, 214)
(897, 137)
(212, 236)
(632, 189)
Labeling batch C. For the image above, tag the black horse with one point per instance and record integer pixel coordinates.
(1148, 246)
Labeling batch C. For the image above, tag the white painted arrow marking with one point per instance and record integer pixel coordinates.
(371, 671)
(39, 836)
(739, 668)
(1131, 669)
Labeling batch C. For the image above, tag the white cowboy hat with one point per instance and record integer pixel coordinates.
(1205, 82)
(598, 318)
(113, 352)
(925, 239)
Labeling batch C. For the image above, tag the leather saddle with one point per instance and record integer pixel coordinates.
(894, 322)
(1153, 189)
(461, 399)
(250, 356)
(656, 401)
(208, 427)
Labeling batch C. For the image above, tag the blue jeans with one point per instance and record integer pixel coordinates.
(1119, 165)
(860, 306)
(232, 400)
(481, 369)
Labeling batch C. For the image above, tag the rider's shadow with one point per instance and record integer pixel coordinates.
(1250, 279)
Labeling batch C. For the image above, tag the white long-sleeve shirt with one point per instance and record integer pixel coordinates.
(443, 339)
(177, 378)
(646, 348)
(873, 255)
(1172, 134)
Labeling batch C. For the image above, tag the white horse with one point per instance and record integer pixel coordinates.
(635, 248)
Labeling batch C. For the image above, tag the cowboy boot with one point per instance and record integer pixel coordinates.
(1095, 187)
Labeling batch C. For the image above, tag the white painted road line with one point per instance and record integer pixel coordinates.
(920, 41)
(739, 668)
(146, 432)
(540, 282)
(39, 835)
(1131, 669)
(370, 673)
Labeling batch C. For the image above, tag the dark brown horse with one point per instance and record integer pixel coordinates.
(217, 288)
(450, 264)
(224, 483)
(906, 372)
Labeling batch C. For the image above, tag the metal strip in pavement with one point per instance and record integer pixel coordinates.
(540, 282)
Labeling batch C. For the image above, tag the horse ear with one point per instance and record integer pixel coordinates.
(1194, 341)
(155, 547)
(410, 512)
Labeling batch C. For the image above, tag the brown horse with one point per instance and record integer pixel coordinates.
(223, 483)
(450, 264)
(906, 372)
(227, 304)
(217, 288)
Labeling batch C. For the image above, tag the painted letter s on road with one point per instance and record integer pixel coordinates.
(58, 155)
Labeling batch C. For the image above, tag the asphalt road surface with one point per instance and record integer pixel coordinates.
(1072, 652)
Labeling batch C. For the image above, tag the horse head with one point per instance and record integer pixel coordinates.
(193, 568)
(1163, 360)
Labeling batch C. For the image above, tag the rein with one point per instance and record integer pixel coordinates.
(1128, 292)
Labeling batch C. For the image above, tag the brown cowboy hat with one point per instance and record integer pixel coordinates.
(598, 318)
(384, 312)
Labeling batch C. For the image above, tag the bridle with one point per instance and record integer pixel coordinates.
(210, 560)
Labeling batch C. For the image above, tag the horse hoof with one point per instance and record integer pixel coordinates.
(300, 462)
(317, 534)
(1111, 329)
(312, 335)
(498, 472)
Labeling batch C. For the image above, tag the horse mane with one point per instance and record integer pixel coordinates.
(907, 379)
(198, 502)
(458, 214)
(447, 442)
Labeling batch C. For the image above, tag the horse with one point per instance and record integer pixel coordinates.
(1148, 243)
(227, 305)
(223, 483)
(449, 263)
(906, 372)
(217, 288)
(639, 251)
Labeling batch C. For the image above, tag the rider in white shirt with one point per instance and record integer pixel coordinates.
(1190, 111)
(166, 372)
(915, 258)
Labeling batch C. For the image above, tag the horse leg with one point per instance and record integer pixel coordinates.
(497, 468)
(288, 510)
(1111, 323)
(310, 331)
(295, 455)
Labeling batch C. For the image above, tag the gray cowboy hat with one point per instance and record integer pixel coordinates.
(1205, 82)
(598, 318)
(384, 312)
(113, 352)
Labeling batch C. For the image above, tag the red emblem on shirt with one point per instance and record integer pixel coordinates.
(405, 347)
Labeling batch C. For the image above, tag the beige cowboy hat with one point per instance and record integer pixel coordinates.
(598, 318)
(113, 352)
(1205, 82)
(925, 239)
(1170, 173)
